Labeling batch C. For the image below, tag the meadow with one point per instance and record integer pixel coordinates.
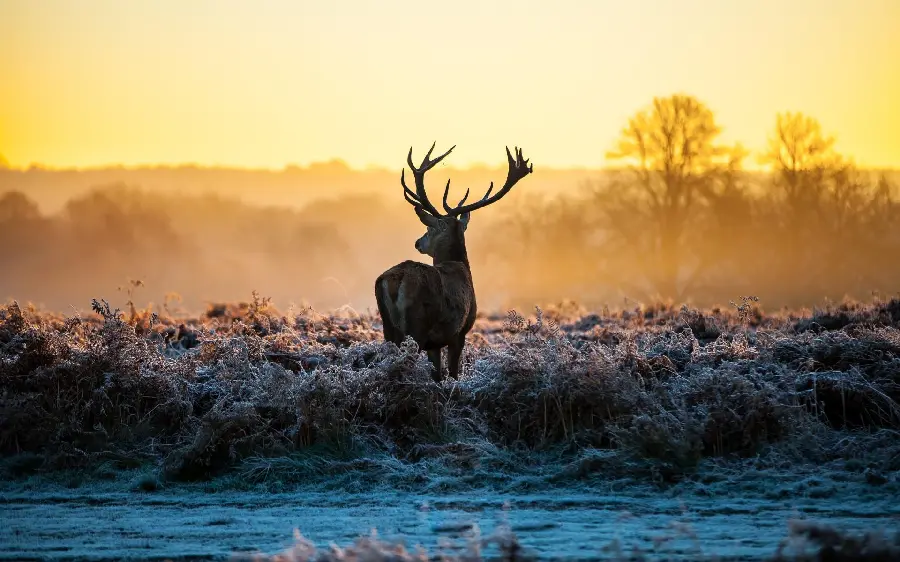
(248, 398)
(201, 426)
(687, 344)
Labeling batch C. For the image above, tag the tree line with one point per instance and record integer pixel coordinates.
(678, 217)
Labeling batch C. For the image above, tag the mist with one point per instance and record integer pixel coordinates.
(189, 251)
(678, 220)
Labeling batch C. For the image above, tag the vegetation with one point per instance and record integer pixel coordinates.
(683, 220)
(805, 543)
(647, 394)
(650, 393)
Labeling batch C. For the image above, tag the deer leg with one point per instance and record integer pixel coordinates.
(390, 332)
(454, 352)
(434, 355)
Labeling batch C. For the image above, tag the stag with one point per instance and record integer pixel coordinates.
(435, 304)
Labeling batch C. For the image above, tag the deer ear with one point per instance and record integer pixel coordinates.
(464, 220)
(426, 218)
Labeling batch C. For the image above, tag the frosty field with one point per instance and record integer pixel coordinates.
(574, 523)
(685, 434)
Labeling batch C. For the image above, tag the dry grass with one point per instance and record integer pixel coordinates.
(249, 389)
(805, 542)
(501, 545)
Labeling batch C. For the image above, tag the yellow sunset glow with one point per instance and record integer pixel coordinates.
(265, 84)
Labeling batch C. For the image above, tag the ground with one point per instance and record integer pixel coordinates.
(143, 436)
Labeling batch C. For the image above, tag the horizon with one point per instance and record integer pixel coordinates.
(749, 166)
(230, 85)
(371, 168)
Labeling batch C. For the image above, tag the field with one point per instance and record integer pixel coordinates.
(684, 243)
(739, 417)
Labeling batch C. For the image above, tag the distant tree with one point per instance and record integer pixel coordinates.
(798, 145)
(674, 167)
(121, 221)
(803, 160)
(20, 226)
(833, 221)
(15, 206)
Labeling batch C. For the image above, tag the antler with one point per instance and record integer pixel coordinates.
(420, 198)
(518, 169)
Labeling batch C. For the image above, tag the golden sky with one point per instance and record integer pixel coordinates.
(269, 83)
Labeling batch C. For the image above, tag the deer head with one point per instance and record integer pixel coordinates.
(443, 238)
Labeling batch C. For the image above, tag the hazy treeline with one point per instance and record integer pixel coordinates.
(682, 220)
(678, 218)
(292, 186)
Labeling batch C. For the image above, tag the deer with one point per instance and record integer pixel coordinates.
(435, 304)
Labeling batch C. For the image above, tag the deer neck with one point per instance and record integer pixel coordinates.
(455, 251)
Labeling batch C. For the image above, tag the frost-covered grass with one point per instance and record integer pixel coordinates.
(805, 542)
(252, 395)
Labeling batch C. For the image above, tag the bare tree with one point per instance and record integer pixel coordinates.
(803, 161)
(832, 219)
(674, 167)
(15, 207)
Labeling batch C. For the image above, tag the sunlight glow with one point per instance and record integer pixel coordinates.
(267, 84)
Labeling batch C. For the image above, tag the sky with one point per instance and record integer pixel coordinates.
(265, 84)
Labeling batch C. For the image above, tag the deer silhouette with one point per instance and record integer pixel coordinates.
(435, 304)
